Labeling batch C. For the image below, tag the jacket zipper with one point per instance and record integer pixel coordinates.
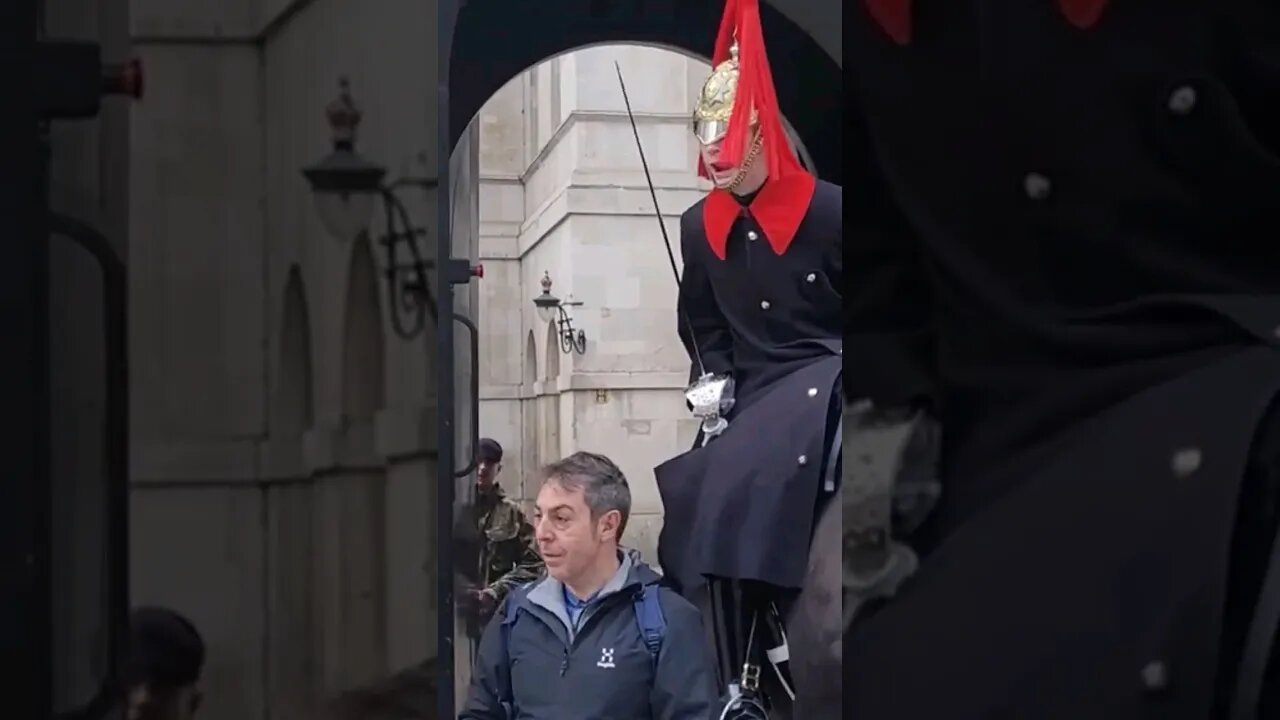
(584, 621)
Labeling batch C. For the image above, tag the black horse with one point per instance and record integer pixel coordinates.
(816, 622)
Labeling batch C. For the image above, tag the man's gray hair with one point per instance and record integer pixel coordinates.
(603, 485)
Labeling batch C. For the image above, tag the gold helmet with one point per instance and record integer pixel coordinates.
(715, 103)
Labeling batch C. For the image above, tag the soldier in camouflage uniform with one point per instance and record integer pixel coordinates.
(508, 554)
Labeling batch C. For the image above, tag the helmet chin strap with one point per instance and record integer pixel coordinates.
(747, 162)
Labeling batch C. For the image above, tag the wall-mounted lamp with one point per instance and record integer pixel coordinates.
(346, 188)
(551, 308)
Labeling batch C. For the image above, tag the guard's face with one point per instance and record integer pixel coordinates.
(569, 540)
(178, 704)
(722, 174)
(725, 175)
(487, 474)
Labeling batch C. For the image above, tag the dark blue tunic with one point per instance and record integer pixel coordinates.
(743, 506)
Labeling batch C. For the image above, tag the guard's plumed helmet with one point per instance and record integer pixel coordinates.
(738, 105)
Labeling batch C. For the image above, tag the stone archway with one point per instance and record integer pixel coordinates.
(531, 457)
(549, 399)
(530, 375)
(551, 368)
(289, 506)
(351, 540)
(293, 404)
(364, 341)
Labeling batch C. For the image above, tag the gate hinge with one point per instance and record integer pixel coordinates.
(71, 79)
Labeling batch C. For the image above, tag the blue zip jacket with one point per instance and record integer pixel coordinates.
(598, 668)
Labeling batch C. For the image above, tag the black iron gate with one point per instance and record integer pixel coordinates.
(53, 81)
(24, 436)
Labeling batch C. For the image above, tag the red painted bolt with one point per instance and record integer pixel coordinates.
(123, 79)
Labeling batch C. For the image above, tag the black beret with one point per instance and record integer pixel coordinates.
(165, 649)
(489, 451)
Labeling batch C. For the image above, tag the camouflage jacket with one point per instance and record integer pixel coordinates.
(508, 553)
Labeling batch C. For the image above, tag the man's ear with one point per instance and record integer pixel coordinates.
(609, 523)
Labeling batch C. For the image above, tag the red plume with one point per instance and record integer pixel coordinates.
(755, 91)
(724, 36)
(1082, 13)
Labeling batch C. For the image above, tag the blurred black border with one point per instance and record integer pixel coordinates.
(24, 371)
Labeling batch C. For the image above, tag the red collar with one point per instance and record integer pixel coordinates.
(778, 210)
(894, 16)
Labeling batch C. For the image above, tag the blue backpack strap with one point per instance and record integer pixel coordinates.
(652, 622)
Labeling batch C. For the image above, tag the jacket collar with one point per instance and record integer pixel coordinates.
(549, 592)
(778, 209)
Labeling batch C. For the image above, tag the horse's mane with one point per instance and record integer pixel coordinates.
(407, 695)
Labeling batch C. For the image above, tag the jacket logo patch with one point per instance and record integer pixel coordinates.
(606, 658)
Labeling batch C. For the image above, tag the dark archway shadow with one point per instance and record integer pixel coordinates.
(495, 40)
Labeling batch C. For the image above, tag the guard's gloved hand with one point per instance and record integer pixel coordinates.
(486, 603)
(725, 383)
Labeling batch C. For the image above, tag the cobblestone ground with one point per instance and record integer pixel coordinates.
(408, 695)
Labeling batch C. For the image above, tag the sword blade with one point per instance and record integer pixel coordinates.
(662, 227)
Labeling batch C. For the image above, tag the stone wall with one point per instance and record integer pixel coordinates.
(283, 451)
(563, 193)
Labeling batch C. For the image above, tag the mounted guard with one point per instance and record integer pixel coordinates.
(760, 314)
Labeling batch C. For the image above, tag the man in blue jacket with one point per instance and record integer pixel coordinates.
(598, 637)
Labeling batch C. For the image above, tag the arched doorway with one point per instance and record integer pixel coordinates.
(530, 459)
(549, 399)
(492, 41)
(290, 600)
(351, 553)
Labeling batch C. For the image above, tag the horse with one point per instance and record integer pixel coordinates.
(816, 623)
